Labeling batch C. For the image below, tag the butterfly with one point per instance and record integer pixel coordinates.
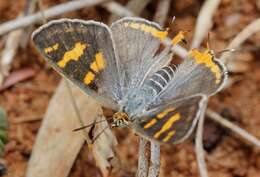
(123, 68)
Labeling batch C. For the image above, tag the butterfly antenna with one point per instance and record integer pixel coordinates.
(173, 19)
(208, 42)
(89, 125)
(226, 50)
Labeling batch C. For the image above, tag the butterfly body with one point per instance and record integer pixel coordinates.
(135, 102)
(122, 69)
(138, 100)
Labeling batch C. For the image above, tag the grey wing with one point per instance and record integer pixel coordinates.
(196, 75)
(171, 122)
(82, 51)
(137, 43)
(179, 97)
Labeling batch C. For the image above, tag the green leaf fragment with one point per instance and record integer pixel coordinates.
(3, 121)
(3, 130)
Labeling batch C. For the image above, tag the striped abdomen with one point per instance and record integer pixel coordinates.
(138, 99)
(160, 79)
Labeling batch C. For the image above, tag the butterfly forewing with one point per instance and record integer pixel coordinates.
(137, 41)
(84, 53)
(173, 122)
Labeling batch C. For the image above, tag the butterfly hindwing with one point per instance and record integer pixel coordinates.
(200, 73)
(82, 51)
(171, 123)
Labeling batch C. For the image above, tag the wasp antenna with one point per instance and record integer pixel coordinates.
(89, 125)
(100, 133)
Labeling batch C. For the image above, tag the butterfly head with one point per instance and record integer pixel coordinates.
(120, 119)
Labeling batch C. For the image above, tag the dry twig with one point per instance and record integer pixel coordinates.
(154, 168)
(241, 37)
(12, 44)
(239, 131)
(142, 170)
(235, 65)
(135, 6)
(204, 21)
(162, 11)
(8, 53)
(199, 144)
(26, 119)
(28, 30)
(118, 9)
(51, 12)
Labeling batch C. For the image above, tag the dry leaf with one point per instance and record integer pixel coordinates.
(57, 145)
(17, 76)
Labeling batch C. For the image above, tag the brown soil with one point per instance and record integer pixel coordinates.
(227, 155)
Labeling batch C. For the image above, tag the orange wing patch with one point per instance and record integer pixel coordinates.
(150, 123)
(164, 113)
(206, 58)
(161, 115)
(97, 65)
(51, 49)
(73, 54)
(167, 125)
(169, 135)
(180, 37)
(148, 29)
(90, 76)
(164, 126)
